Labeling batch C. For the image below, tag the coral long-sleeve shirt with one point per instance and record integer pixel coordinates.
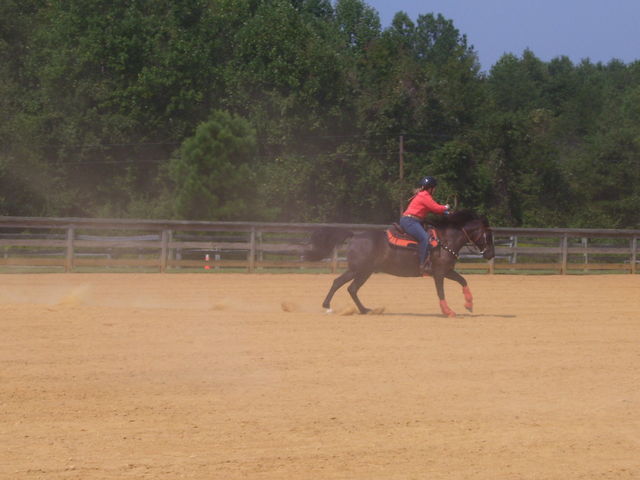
(422, 204)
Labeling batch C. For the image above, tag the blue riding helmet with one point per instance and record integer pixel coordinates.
(427, 182)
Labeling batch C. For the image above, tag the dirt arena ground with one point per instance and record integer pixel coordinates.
(235, 376)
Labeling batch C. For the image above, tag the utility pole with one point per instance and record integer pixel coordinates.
(401, 173)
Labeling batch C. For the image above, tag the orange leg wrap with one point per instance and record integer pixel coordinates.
(468, 304)
(446, 310)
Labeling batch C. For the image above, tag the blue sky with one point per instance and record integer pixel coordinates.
(599, 30)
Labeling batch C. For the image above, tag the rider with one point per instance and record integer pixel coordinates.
(413, 217)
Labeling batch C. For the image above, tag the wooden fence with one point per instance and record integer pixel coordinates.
(79, 244)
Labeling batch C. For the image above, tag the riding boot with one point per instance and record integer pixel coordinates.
(425, 268)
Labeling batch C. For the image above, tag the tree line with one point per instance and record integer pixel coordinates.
(301, 110)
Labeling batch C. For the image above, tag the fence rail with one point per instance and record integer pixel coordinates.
(71, 244)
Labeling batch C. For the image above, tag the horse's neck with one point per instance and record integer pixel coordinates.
(453, 237)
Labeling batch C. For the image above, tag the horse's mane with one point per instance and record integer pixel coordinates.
(458, 219)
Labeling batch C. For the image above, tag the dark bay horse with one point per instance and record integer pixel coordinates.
(370, 252)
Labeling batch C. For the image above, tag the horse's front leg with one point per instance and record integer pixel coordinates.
(468, 297)
(446, 310)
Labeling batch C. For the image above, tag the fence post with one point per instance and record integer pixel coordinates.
(334, 260)
(252, 250)
(68, 264)
(164, 250)
(259, 242)
(634, 254)
(564, 245)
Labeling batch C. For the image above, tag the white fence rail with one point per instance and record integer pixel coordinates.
(74, 244)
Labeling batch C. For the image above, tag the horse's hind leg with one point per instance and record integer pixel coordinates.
(337, 283)
(466, 291)
(358, 281)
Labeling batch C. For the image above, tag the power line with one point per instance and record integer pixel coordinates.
(107, 162)
(97, 145)
(172, 143)
(336, 155)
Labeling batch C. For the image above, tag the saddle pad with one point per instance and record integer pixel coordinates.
(397, 237)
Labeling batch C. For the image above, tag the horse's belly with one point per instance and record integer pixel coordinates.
(401, 263)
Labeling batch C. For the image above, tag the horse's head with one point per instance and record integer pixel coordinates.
(483, 239)
(476, 229)
(479, 234)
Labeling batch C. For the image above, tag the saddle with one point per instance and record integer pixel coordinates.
(397, 237)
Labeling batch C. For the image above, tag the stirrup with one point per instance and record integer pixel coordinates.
(425, 268)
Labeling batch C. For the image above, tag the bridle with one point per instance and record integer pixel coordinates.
(486, 231)
(483, 236)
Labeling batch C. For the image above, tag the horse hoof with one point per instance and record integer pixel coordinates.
(469, 308)
(328, 311)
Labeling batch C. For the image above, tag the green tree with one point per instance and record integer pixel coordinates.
(97, 96)
(358, 23)
(212, 172)
(605, 172)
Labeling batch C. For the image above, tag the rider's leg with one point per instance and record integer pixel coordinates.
(414, 228)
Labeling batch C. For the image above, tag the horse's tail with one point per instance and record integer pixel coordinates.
(324, 240)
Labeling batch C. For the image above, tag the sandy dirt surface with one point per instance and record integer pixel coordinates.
(210, 376)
